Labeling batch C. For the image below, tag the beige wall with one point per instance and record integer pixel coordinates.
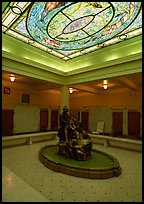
(100, 114)
(76, 101)
(119, 100)
(100, 107)
(37, 98)
(26, 119)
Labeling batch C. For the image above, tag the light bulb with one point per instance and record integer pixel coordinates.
(105, 86)
(12, 78)
(71, 90)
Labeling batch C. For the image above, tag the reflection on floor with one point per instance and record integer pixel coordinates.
(25, 179)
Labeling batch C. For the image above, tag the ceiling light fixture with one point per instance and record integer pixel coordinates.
(105, 84)
(12, 77)
(71, 90)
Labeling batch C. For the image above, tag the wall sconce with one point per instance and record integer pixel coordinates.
(71, 90)
(105, 84)
(12, 77)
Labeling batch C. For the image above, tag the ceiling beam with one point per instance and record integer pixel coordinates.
(129, 83)
(86, 89)
(48, 86)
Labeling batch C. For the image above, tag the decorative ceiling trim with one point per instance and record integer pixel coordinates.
(127, 51)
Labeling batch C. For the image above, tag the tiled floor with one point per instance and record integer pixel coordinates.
(25, 179)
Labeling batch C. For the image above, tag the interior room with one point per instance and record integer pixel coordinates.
(83, 55)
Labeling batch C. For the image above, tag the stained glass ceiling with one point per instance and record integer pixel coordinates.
(71, 29)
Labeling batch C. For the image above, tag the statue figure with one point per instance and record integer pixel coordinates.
(74, 142)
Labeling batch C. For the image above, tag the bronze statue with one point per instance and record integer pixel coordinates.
(74, 142)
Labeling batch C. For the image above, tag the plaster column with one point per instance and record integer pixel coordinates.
(125, 121)
(49, 119)
(64, 99)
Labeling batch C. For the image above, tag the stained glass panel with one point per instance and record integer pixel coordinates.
(72, 29)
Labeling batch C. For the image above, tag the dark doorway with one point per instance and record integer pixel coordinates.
(84, 120)
(7, 122)
(54, 120)
(134, 124)
(117, 123)
(43, 120)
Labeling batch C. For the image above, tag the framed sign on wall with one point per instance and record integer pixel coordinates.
(6, 90)
(25, 98)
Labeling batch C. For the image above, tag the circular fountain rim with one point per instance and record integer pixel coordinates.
(94, 173)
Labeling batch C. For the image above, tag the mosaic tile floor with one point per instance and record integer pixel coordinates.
(25, 179)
